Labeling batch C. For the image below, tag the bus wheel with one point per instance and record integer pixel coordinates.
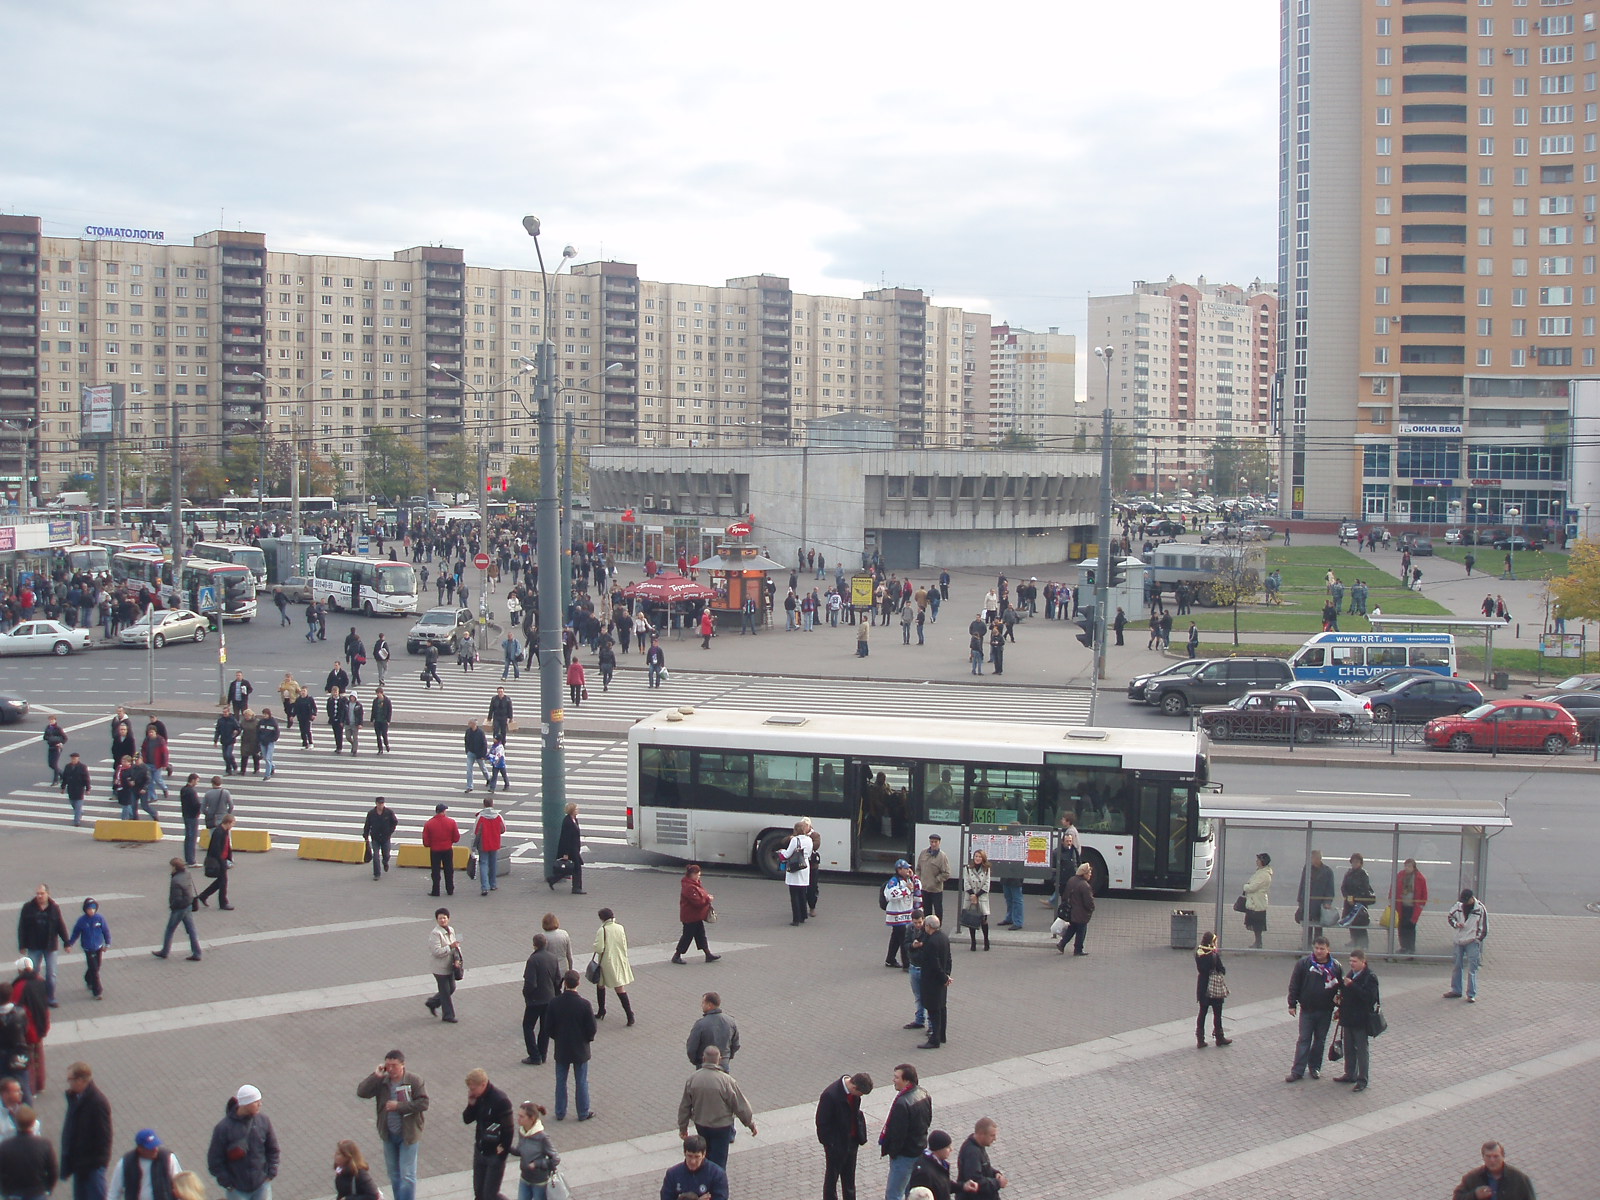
(1100, 880)
(366, 607)
(770, 846)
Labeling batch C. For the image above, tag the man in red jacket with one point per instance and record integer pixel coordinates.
(440, 833)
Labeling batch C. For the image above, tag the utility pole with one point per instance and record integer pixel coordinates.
(566, 517)
(1102, 575)
(177, 500)
(552, 763)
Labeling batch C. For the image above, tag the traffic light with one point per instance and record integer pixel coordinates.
(1086, 638)
(1118, 571)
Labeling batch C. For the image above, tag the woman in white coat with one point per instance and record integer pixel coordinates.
(975, 879)
(797, 870)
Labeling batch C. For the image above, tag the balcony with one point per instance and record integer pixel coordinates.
(19, 352)
(9, 244)
(21, 330)
(16, 393)
(235, 259)
(237, 337)
(444, 345)
(237, 299)
(241, 319)
(19, 268)
(16, 289)
(440, 310)
(27, 372)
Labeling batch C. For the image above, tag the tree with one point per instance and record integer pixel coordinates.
(455, 467)
(392, 466)
(1122, 455)
(1578, 591)
(82, 482)
(1231, 460)
(522, 479)
(1236, 582)
(1015, 439)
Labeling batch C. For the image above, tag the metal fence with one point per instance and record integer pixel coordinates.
(1294, 731)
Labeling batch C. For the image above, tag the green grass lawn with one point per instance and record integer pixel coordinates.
(1530, 564)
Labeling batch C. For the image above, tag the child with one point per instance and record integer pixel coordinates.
(91, 929)
(497, 764)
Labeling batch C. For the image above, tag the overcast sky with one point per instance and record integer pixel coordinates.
(1013, 158)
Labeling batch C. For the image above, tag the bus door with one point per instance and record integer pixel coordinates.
(1162, 852)
(879, 791)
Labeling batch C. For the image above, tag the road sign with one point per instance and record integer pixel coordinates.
(481, 562)
(205, 598)
(362, 545)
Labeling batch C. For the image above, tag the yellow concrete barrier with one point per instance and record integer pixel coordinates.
(412, 854)
(245, 841)
(323, 849)
(113, 829)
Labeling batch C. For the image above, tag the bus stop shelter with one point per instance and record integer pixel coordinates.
(1477, 626)
(1449, 840)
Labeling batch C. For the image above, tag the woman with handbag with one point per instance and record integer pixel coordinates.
(219, 857)
(1211, 989)
(444, 955)
(539, 1158)
(694, 909)
(1254, 896)
(609, 968)
(975, 879)
(797, 871)
(1356, 891)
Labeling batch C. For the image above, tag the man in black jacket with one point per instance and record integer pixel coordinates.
(932, 1167)
(27, 1161)
(569, 852)
(226, 735)
(1358, 1000)
(571, 1025)
(377, 831)
(1313, 989)
(541, 981)
(75, 783)
(489, 1109)
(148, 1154)
(500, 713)
(936, 967)
(85, 1135)
(40, 933)
(973, 1166)
(905, 1133)
(338, 717)
(476, 744)
(337, 678)
(239, 693)
(842, 1130)
(382, 714)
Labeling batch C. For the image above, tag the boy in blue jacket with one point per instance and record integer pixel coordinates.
(91, 929)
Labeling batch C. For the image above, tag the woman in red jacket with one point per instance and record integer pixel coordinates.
(694, 906)
(575, 681)
(1408, 895)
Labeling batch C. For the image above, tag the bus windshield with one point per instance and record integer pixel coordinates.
(396, 579)
(89, 558)
(252, 557)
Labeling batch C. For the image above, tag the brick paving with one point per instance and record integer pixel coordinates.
(1080, 1115)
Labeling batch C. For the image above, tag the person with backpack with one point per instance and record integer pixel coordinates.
(900, 895)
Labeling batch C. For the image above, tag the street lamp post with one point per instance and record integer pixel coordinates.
(1102, 579)
(1513, 515)
(552, 763)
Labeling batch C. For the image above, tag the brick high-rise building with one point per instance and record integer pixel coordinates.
(1437, 269)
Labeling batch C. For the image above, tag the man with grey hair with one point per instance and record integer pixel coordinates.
(936, 966)
(713, 1100)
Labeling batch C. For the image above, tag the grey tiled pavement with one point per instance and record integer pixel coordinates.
(1088, 1064)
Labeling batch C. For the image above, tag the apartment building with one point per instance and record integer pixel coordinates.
(1190, 363)
(241, 336)
(1033, 384)
(1439, 184)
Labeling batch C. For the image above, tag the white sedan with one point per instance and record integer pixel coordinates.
(43, 637)
(1354, 711)
(171, 625)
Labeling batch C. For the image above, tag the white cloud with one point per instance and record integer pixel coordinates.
(1015, 157)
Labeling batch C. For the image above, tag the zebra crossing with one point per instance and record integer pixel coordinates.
(466, 694)
(316, 793)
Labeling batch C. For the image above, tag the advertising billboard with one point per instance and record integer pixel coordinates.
(100, 413)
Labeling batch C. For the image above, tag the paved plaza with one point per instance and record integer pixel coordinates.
(1088, 1064)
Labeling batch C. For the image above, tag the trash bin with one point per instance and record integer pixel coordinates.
(1501, 681)
(1185, 929)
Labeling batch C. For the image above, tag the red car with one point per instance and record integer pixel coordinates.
(1505, 725)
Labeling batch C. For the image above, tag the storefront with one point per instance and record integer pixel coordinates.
(26, 547)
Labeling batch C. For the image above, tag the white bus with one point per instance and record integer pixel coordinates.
(363, 584)
(1351, 657)
(232, 589)
(245, 555)
(724, 786)
(132, 570)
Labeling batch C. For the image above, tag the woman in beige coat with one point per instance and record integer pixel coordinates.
(1255, 898)
(611, 944)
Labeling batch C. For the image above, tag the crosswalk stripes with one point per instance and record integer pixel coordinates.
(317, 794)
(466, 694)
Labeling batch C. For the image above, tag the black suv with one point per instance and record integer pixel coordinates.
(1217, 682)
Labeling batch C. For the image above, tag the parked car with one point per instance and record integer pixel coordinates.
(1352, 710)
(1420, 547)
(169, 624)
(441, 626)
(1349, 530)
(1572, 683)
(1415, 700)
(1385, 680)
(1454, 537)
(44, 637)
(12, 708)
(1217, 681)
(1515, 541)
(1186, 666)
(1585, 709)
(1166, 529)
(1270, 715)
(296, 589)
(1506, 725)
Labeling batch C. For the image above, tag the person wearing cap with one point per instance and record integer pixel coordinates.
(95, 935)
(902, 894)
(932, 1168)
(933, 869)
(28, 1168)
(85, 1135)
(243, 1155)
(440, 834)
(181, 904)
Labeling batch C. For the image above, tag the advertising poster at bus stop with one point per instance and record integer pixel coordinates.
(1015, 851)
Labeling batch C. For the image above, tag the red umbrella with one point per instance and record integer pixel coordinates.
(668, 589)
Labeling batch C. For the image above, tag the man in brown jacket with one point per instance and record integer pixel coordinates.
(401, 1099)
(1077, 907)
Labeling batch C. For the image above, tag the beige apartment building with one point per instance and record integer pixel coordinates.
(1191, 363)
(427, 345)
(1437, 244)
(1033, 384)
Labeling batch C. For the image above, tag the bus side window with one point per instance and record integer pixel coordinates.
(1386, 656)
(1429, 656)
(1346, 656)
(830, 785)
